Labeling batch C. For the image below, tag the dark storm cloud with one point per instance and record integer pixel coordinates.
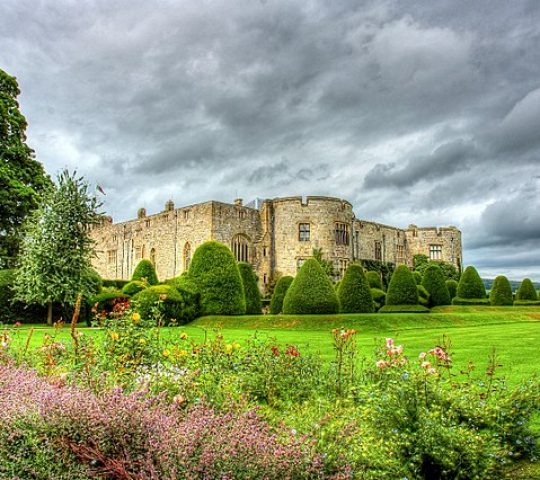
(424, 112)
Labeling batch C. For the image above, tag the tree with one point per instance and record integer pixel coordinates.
(54, 262)
(145, 270)
(434, 282)
(402, 288)
(276, 304)
(501, 292)
(374, 279)
(251, 289)
(311, 291)
(353, 292)
(470, 285)
(22, 178)
(451, 285)
(526, 291)
(214, 274)
(326, 265)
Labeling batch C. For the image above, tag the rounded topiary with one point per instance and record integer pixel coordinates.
(176, 306)
(417, 278)
(471, 285)
(402, 288)
(353, 292)
(214, 274)
(451, 285)
(311, 291)
(501, 292)
(251, 289)
(379, 297)
(433, 281)
(374, 279)
(276, 304)
(134, 287)
(526, 291)
(423, 295)
(146, 270)
(182, 282)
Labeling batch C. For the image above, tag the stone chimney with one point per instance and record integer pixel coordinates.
(141, 213)
(169, 206)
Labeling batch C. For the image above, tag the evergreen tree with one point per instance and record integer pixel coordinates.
(54, 264)
(526, 291)
(470, 285)
(501, 292)
(276, 304)
(402, 288)
(433, 281)
(452, 285)
(145, 271)
(22, 178)
(251, 289)
(353, 292)
(374, 279)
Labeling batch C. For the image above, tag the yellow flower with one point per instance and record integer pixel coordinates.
(183, 336)
(114, 336)
(136, 317)
(228, 349)
(142, 341)
(181, 353)
(236, 345)
(166, 353)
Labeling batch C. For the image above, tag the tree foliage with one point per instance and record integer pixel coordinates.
(282, 285)
(311, 291)
(354, 292)
(326, 265)
(54, 264)
(22, 178)
(145, 271)
(526, 291)
(402, 289)
(434, 282)
(451, 285)
(501, 292)
(471, 285)
(251, 289)
(374, 279)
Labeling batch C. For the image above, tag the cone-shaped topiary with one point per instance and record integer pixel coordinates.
(433, 281)
(311, 291)
(417, 278)
(276, 304)
(145, 270)
(134, 287)
(214, 274)
(379, 297)
(423, 295)
(471, 285)
(402, 288)
(251, 289)
(374, 279)
(526, 291)
(353, 292)
(501, 292)
(451, 285)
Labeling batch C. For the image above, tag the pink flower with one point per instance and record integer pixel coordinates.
(422, 355)
(426, 364)
(389, 342)
(381, 364)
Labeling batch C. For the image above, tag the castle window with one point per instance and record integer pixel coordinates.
(186, 215)
(265, 279)
(435, 252)
(342, 266)
(299, 263)
(114, 238)
(400, 254)
(378, 250)
(147, 223)
(304, 232)
(240, 248)
(138, 253)
(187, 255)
(264, 251)
(241, 214)
(342, 234)
(111, 257)
(153, 256)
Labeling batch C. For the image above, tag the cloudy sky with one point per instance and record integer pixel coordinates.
(423, 112)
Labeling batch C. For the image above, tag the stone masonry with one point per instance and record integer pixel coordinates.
(275, 236)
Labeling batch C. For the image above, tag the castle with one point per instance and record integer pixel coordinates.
(275, 236)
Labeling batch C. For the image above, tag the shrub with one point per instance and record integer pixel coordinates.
(402, 289)
(470, 301)
(10, 311)
(182, 282)
(471, 285)
(176, 306)
(527, 303)
(433, 281)
(95, 281)
(104, 303)
(311, 291)
(353, 292)
(417, 277)
(374, 280)
(526, 291)
(116, 283)
(501, 292)
(145, 271)
(276, 304)
(423, 295)
(215, 275)
(251, 289)
(379, 297)
(134, 287)
(451, 285)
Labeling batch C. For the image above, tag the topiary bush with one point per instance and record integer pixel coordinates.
(214, 274)
(134, 287)
(451, 285)
(117, 283)
(145, 270)
(276, 304)
(311, 292)
(379, 297)
(374, 280)
(433, 281)
(251, 289)
(178, 307)
(402, 288)
(471, 285)
(353, 292)
(470, 301)
(423, 295)
(501, 292)
(417, 278)
(526, 291)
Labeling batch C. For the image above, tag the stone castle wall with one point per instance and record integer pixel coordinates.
(275, 238)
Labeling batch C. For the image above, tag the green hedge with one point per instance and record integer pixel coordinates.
(417, 278)
(214, 274)
(404, 309)
(471, 285)
(379, 297)
(145, 270)
(470, 301)
(526, 291)
(451, 285)
(311, 292)
(423, 295)
(526, 303)
(402, 288)
(280, 290)
(251, 289)
(374, 279)
(501, 292)
(134, 287)
(434, 282)
(353, 292)
(115, 283)
(177, 307)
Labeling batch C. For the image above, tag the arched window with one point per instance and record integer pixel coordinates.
(187, 255)
(153, 256)
(240, 248)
